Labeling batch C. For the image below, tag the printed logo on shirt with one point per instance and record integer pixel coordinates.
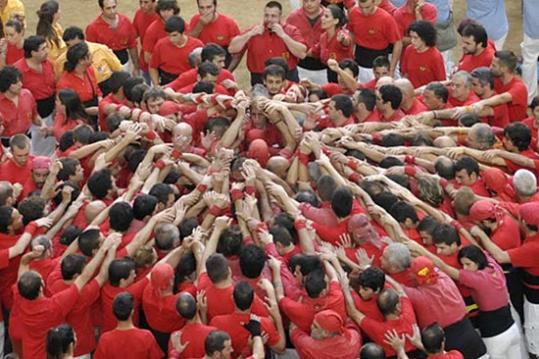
(422, 68)
(372, 31)
(286, 55)
(220, 37)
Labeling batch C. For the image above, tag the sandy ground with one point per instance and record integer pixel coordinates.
(246, 12)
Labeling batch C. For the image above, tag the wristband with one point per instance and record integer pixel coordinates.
(215, 211)
(326, 151)
(354, 177)
(250, 190)
(410, 171)
(299, 224)
(201, 187)
(353, 164)
(409, 159)
(457, 225)
(261, 227)
(285, 152)
(31, 228)
(376, 138)
(176, 154)
(160, 164)
(236, 194)
(151, 135)
(303, 158)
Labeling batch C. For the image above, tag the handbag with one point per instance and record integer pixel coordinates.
(446, 35)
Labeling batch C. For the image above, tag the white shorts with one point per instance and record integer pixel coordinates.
(531, 326)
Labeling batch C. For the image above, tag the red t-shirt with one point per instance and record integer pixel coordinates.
(268, 45)
(347, 345)
(107, 100)
(154, 32)
(471, 62)
(302, 312)
(518, 106)
(368, 307)
(171, 58)
(135, 343)
(39, 315)
(376, 31)
(141, 22)
(417, 108)
(471, 99)
(190, 77)
(17, 118)
(107, 297)
(500, 118)
(80, 318)
(453, 354)
(220, 31)
(161, 311)
(217, 89)
(310, 32)
(124, 36)
(376, 330)
(526, 255)
(233, 325)
(404, 16)
(41, 84)
(421, 68)
(195, 334)
(11, 172)
(86, 86)
(13, 54)
(530, 122)
(330, 48)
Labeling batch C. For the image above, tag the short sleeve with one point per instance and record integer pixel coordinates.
(524, 256)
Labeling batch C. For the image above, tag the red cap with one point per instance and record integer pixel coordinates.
(41, 163)
(529, 212)
(423, 270)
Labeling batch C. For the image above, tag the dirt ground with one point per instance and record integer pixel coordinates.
(246, 12)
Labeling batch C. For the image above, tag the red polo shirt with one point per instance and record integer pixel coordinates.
(453, 354)
(17, 118)
(220, 31)
(471, 62)
(421, 68)
(330, 48)
(526, 255)
(134, 343)
(310, 32)
(374, 31)
(268, 45)
(86, 86)
(471, 99)
(233, 325)
(41, 84)
(141, 22)
(195, 334)
(171, 58)
(404, 16)
(518, 106)
(347, 345)
(122, 37)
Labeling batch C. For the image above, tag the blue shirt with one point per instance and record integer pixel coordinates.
(491, 14)
(443, 8)
(531, 18)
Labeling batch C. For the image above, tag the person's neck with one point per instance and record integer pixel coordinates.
(11, 96)
(125, 325)
(331, 31)
(506, 77)
(392, 316)
(113, 21)
(408, 103)
(340, 120)
(33, 62)
(487, 94)
(362, 115)
(387, 112)
(195, 320)
(479, 51)
(313, 15)
(224, 284)
(79, 71)
(247, 311)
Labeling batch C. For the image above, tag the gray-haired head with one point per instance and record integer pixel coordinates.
(525, 183)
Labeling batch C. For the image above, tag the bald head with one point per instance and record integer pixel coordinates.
(525, 183)
(93, 209)
(384, 80)
(186, 306)
(371, 351)
(444, 141)
(405, 86)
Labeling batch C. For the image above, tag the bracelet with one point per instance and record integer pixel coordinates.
(303, 158)
(299, 224)
(353, 164)
(201, 187)
(409, 159)
(250, 190)
(160, 164)
(175, 154)
(410, 171)
(236, 194)
(31, 228)
(215, 211)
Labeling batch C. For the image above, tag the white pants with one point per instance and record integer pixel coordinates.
(505, 345)
(499, 43)
(43, 146)
(531, 326)
(85, 356)
(294, 4)
(2, 334)
(317, 76)
(449, 63)
(530, 52)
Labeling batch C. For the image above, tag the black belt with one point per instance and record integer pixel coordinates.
(122, 55)
(166, 77)
(494, 322)
(365, 56)
(311, 63)
(46, 106)
(91, 103)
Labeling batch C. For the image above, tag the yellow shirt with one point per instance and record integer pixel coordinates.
(56, 50)
(103, 60)
(13, 7)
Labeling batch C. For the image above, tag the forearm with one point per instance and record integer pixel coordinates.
(154, 75)
(133, 54)
(296, 48)
(195, 32)
(395, 55)
(238, 43)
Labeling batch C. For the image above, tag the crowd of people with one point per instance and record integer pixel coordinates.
(366, 197)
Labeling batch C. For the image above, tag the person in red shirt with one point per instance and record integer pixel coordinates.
(328, 336)
(69, 113)
(139, 342)
(308, 20)
(270, 39)
(170, 54)
(335, 42)
(18, 168)
(475, 48)
(193, 334)
(460, 90)
(114, 99)
(483, 86)
(11, 48)
(388, 101)
(165, 9)
(244, 295)
(410, 104)
(144, 17)
(366, 289)
(414, 10)
(509, 88)
(117, 32)
(421, 62)
(376, 33)
(61, 342)
(39, 313)
(18, 108)
(79, 76)
(209, 26)
(467, 174)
